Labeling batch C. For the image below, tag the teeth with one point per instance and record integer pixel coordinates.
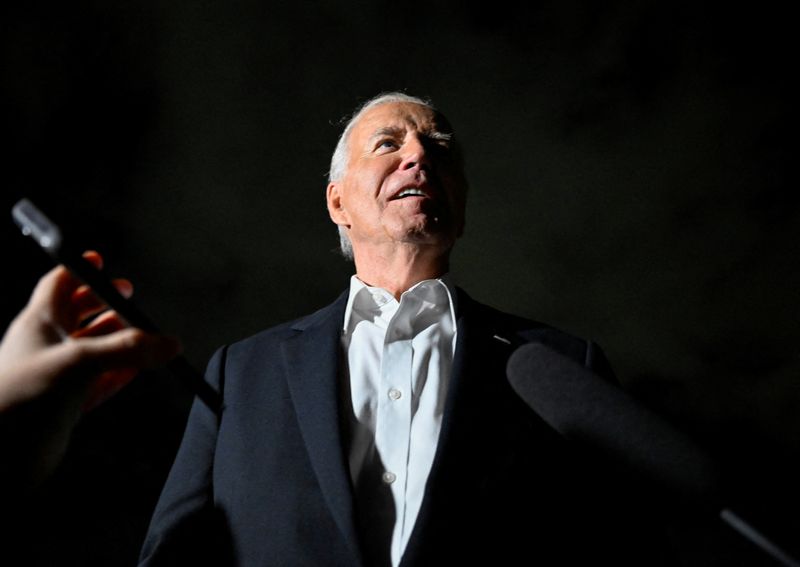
(412, 192)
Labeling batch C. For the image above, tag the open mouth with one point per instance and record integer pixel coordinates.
(410, 192)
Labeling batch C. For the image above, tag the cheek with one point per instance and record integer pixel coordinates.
(367, 188)
(362, 209)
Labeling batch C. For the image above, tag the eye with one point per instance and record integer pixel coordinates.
(386, 144)
(440, 147)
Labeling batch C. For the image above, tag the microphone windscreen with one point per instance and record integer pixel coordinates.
(590, 410)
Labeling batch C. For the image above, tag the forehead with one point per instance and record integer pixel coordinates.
(404, 116)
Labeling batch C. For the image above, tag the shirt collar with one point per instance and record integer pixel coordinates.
(367, 298)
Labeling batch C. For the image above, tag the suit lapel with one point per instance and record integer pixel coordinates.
(468, 449)
(477, 388)
(312, 359)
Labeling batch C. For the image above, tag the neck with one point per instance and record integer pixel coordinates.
(400, 268)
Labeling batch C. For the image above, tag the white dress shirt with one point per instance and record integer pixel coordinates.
(399, 356)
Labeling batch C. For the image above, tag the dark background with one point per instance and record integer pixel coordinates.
(632, 181)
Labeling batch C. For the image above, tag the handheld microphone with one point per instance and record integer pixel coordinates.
(50, 238)
(590, 410)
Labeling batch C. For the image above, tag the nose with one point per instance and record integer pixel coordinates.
(415, 154)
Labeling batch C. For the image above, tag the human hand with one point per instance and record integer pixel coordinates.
(49, 344)
(64, 353)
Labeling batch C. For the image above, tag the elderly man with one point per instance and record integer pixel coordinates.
(381, 430)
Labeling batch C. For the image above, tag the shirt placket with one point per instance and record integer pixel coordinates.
(393, 431)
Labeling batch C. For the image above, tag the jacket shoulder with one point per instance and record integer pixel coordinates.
(329, 315)
(518, 330)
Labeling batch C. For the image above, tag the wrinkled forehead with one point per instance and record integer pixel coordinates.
(401, 117)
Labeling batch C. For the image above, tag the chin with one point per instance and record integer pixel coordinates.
(431, 240)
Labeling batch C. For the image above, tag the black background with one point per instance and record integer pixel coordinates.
(631, 177)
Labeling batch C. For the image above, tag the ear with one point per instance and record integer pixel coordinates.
(336, 209)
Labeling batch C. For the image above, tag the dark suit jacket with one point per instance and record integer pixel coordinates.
(266, 482)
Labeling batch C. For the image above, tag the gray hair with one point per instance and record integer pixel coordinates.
(342, 151)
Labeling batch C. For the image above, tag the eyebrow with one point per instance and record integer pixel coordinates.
(394, 131)
(442, 136)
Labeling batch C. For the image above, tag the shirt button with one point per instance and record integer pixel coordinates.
(388, 477)
(395, 394)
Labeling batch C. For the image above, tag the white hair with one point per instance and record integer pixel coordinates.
(341, 153)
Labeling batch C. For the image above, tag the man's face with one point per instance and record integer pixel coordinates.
(403, 183)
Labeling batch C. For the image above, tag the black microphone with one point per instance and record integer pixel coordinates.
(590, 410)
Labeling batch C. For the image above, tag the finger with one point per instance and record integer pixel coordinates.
(77, 362)
(94, 258)
(122, 354)
(79, 311)
(104, 324)
(50, 303)
(125, 348)
(124, 287)
(55, 288)
(86, 304)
